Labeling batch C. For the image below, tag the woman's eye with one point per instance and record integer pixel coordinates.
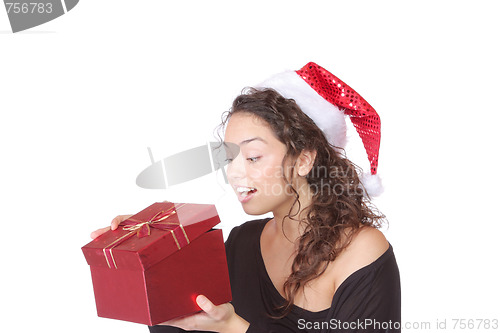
(253, 159)
(229, 160)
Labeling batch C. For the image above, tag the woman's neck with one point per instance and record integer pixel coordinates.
(290, 228)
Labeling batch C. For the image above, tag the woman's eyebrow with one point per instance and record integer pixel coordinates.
(257, 138)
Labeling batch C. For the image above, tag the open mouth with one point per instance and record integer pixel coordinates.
(244, 191)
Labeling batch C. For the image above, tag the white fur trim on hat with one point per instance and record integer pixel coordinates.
(325, 115)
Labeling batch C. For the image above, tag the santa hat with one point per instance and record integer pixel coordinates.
(327, 100)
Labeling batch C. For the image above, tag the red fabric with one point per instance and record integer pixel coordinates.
(364, 118)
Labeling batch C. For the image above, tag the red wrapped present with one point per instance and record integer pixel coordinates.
(153, 266)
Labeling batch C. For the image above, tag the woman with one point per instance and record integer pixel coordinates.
(319, 264)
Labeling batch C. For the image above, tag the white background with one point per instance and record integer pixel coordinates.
(83, 96)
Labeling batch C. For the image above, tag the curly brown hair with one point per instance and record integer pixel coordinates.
(339, 205)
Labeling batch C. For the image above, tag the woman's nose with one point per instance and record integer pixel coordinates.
(236, 169)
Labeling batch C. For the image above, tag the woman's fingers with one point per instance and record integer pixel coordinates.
(218, 318)
(114, 225)
(117, 220)
(207, 306)
(218, 313)
(98, 232)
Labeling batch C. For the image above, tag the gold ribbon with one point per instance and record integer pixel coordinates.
(143, 229)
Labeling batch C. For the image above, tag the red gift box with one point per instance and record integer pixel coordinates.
(153, 266)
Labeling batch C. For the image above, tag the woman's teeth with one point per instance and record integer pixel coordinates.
(245, 190)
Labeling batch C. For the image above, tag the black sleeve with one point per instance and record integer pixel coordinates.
(250, 298)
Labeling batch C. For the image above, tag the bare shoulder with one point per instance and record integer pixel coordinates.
(367, 245)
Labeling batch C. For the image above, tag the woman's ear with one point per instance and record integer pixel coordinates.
(305, 162)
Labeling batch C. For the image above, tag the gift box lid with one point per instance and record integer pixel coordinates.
(151, 235)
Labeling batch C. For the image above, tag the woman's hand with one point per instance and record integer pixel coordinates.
(217, 318)
(114, 224)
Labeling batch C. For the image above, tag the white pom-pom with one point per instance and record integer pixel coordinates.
(372, 184)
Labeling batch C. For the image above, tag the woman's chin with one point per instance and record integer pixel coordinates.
(253, 210)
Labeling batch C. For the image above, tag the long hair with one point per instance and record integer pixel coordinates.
(339, 207)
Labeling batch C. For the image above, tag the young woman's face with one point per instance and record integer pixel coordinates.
(256, 173)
